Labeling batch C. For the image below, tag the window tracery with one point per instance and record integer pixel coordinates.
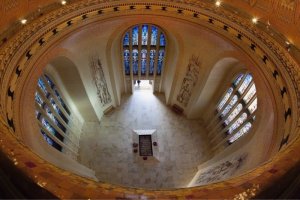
(144, 50)
(237, 107)
(53, 114)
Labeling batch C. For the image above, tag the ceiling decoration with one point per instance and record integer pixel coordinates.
(17, 61)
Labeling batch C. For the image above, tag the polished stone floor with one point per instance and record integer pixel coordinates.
(107, 147)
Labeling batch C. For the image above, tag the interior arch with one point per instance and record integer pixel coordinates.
(255, 42)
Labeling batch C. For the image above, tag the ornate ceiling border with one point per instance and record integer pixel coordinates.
(16, 60)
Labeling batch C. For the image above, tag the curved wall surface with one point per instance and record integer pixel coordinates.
(28, 50)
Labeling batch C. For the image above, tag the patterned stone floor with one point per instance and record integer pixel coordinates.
(107, 147)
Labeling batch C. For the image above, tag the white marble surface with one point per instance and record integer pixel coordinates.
(107, 147)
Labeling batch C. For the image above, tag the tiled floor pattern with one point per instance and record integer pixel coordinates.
(107, 147)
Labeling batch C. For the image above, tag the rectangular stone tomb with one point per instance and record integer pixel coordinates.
(145, 145)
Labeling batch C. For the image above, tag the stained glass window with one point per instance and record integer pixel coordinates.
(50, 111)
(238, 122)
(250, 94)
(144, 34)
(42, 85)
(162, 41)
(161, 55)
(48, 126)
(135, 35)
(126, 62)
(62, 102)
(144, 61)
(126, 39)
(253, 106)
(51, 142)
(234, 113)
(152, 42)
(38, 99)
(238, 79)
(153, 35)
(245, 84)
(152, 62)
(241, 132)
(49, 82)
(135, 61)
(229, 106)
(225, 98)
(54, 119)
(234, 109)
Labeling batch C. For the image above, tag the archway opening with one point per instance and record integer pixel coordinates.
(143, 85)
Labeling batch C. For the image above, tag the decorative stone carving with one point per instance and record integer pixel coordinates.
(7, 5)
(221, 171)
(189, 80)
(286, 10)
(99, 80)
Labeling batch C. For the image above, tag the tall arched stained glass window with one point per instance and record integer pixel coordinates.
(53, 116)
(144, 50)
(237, 107)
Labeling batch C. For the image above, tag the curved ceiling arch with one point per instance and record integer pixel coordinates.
(11, 84)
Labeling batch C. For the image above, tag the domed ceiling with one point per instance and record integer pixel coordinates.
(190, 143)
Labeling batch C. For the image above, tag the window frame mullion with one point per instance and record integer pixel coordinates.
(50, 121)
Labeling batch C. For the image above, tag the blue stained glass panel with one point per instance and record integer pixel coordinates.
(50, 141)
(253, 106)
(245, 84)
(38, 99)
(238, 79)
(162, 40)
(238, 122)
(47, 138)
(126, 39)
(48, 126)
(49, 82)
(229, 106)
(56, 108)
(225, 98)
(41, 84)
(54, 119)
(161, 55)
(126, 62)
(144, 61)
(144, 34)
(153, 35)
(234, 113)
(135, 35)
(52, 130)
(135, 61)
(251, 92)
(245, 129)
(62, 102)
(152, 62)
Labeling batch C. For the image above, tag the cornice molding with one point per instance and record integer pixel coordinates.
(18, 52)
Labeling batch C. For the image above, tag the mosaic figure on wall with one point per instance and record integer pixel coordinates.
(221, 171)
(100, 82)
(189, 81)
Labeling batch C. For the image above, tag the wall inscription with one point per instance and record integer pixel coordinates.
(221, 171)
(189, 81)
(100, 82)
